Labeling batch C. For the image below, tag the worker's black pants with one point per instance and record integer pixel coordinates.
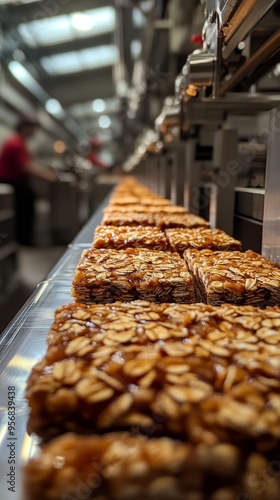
(24, 210)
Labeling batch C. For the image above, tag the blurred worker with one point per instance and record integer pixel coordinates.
(93, 156)
(16, 169)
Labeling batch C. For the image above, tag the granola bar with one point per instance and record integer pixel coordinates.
(152, 209)
(108, 275)
(122, 466)
(200, 238)
(111, 209)
(129, 237)
(133, 188)
(128, 219)
(207, 374)
(234, 277)
(165, 221)
(134, 200)
(137, 192)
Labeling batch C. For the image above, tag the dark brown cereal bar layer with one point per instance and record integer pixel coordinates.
(205, 374)
(200, 238)
(234, 277)
(109, 275)
(128, 219)
(152, 209)
(122, 466)
(165, 221)
(136, 200)
(129, 237)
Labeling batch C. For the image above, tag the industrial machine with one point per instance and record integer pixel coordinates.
(219, 131)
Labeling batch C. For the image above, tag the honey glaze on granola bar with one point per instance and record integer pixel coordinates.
(209, 374)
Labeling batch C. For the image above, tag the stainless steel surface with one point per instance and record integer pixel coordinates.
(192, 178)
(249, 202)
(225, 8)
(158, 171)
(245, 18)
(259, 191)
(224, 176)
(208, 202)
(64, 209)
(236, 20)
(168, 178)
(169, 117)
(8, 246)
(152, 173)
(249, 232)
(271, 223)
(22, 344)
(162, 175)
(198, 71)
(267, 50)
(206, 110)
(180, 159)
(219, 67)
(177, 180)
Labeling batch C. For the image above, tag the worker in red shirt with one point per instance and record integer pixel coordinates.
(93, 156)
(16, 168)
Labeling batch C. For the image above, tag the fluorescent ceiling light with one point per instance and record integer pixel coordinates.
(86, 59)
(46, 31)
(81, 22)
(6, 2)
(54, 107)
(65, 28)
(97, 21)
(27, 80)
(98, 105)
(104, 121)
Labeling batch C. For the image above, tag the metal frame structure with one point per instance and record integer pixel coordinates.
(241, 43)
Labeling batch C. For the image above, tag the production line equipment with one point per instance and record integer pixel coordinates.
(225, 107)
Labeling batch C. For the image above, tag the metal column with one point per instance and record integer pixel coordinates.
(175, 175)
(192, 178)
(178, 174)
(168, 177)
(226, 168)
(162, 174)
(271, 221)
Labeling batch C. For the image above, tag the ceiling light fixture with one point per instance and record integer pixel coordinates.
(80, 60)
(104, 121)
(98, 105)
(27, 80)
(54, 107)
(67, 27)
(81, 22)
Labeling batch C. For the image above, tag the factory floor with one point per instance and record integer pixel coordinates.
(33, 265)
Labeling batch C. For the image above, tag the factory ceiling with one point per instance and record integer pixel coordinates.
(102, 66)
